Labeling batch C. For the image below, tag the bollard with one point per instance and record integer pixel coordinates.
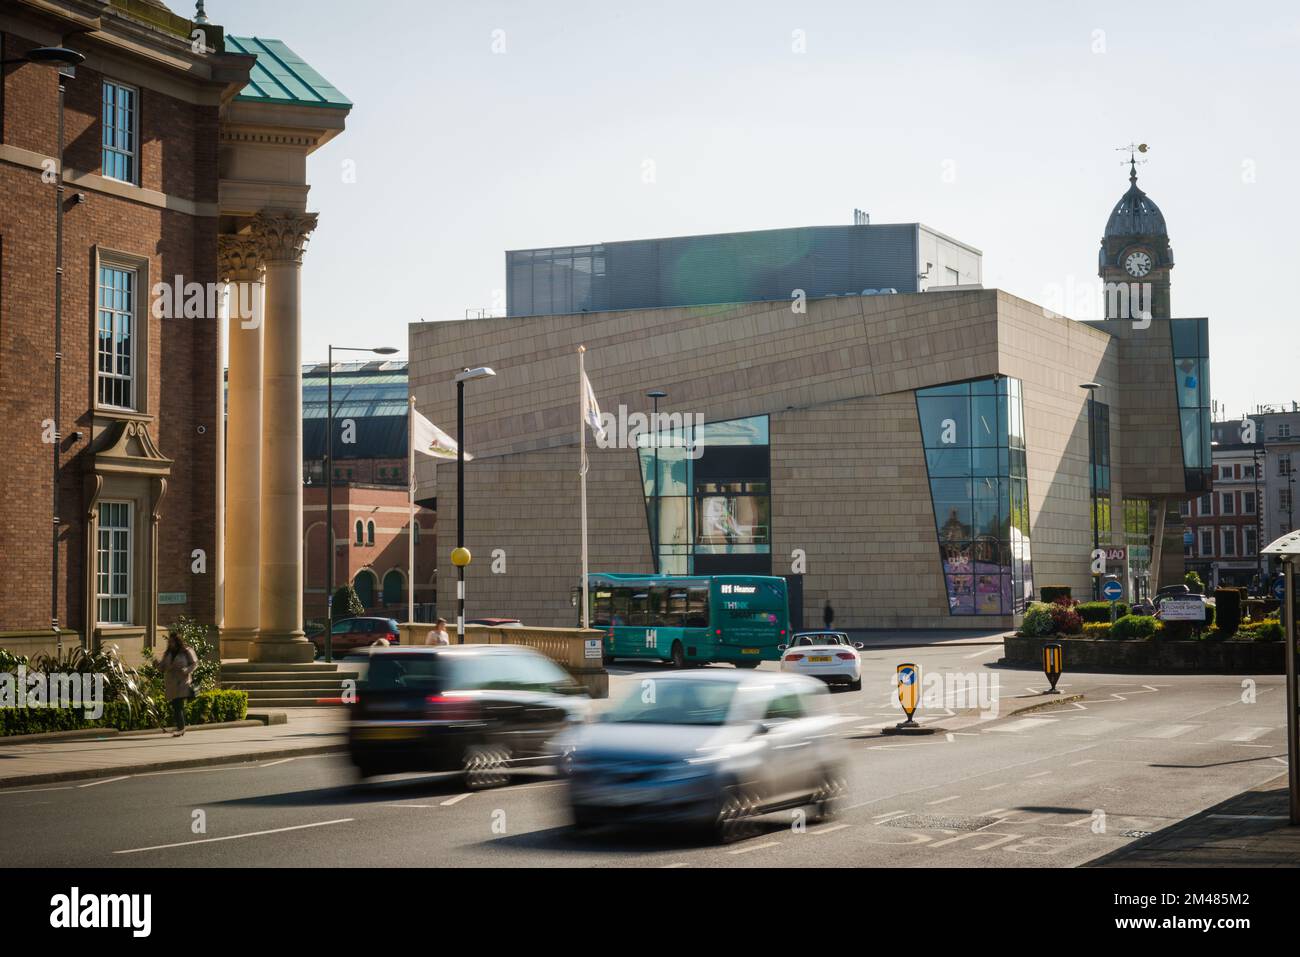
(1052, 665)
(909, 692)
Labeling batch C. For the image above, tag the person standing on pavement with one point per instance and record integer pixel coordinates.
(828, 615)
(439, 634)
(178, 664)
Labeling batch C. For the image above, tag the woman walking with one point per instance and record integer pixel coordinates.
(178, 663)
(439, 634)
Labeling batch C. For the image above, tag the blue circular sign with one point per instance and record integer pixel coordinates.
(907, 676)
(1112, 591)
(1279, 589)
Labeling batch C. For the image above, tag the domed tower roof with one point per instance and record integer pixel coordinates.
(1136, 214)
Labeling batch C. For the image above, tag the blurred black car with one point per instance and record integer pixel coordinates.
(479, 709)
(352, 633)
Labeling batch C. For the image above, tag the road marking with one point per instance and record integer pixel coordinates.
(1040, 774)
(942, 800)
(1091, 727)
(235, 837)
(65, 787)
(1078, 764)
(104, 781)
(828, 828)
(754, 847)
(1024, 724)
(677, 864)
(1164, 731)
(274, 763)
(456, 800)
(410, 805)
(1243, 734)
(888, 814)
(993, 787)
(978, 654)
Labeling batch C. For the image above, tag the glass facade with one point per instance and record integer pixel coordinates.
(974, 439)
(708, 507)
(1191, 347)
(1099, 457)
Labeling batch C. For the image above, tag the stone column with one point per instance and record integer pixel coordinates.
(282, 238)
(241, 267)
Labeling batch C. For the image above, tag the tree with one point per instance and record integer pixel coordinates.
(346, 603)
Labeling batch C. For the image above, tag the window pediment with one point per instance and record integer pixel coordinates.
(129, 448)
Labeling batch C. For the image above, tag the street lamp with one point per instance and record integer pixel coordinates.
(656, 395)
(66, 60)
(1092, 388)
(329, 488)
(460, 558)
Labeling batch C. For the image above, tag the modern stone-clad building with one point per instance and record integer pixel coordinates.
(181, 168)
(916, 459)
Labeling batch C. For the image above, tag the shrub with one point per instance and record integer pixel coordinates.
(210, 707)
(346, 603)
(1065, 620)
(1194, 583)
(122, 685)
(1096, 629)
(1269, 631)
(1038, 621)
(1099, 611)
(1227, 603)
(1134, 628)
(1051, 593)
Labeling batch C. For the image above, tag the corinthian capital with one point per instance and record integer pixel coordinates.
(239, 258)
(283, 236)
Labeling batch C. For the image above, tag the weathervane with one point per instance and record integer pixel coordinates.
(200, 16)
(1133, 149)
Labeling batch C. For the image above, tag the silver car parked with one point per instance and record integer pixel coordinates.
(709, 749)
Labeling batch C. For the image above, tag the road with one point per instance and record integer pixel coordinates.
(1056, 787)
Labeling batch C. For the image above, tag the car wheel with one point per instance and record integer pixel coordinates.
(735, 817)
(584, 819)
(826, 799)
(855, 685)
(485, 767)
(678, 655)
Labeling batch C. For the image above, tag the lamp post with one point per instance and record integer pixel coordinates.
(1255, 453)
(460, 557)
(655, 395)
(329, 487)
(66, 61)
(1092, 388)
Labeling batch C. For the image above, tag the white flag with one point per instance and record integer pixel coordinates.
(430, 440)
(591, 409)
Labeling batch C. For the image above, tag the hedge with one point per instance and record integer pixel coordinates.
(1134, 627)
(1100, 610)
(209, 707)
(1049, 593)
(1096, 629)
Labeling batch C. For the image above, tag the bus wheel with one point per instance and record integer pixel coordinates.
(679, 655)
(747, 664)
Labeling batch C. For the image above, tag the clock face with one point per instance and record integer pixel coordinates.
(1138, 263)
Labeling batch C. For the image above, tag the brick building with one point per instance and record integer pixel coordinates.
(181, 167)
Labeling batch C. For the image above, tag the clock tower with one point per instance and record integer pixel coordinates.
(1136, 257)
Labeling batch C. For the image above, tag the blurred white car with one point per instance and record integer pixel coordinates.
(827, 655)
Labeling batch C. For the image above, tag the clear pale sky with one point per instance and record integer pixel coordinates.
(995, 123)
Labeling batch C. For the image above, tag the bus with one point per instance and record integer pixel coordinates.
(690, 619)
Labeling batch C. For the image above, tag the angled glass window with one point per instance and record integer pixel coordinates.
(973, 434)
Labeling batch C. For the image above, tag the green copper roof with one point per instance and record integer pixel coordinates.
(281, 76)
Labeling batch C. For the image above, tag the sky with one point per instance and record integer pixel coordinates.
(485, 126)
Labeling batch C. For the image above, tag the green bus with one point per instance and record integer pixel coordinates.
(690, 619)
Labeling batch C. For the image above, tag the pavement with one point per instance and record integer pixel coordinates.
(1118, 771)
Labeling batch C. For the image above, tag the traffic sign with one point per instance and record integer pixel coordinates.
(909, 691)
(1112, 591)
(1279, 588)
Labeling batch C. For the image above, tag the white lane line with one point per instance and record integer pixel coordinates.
(828, 828)
(978, 654)
(1165, 731)
(409, 805)
(942, 800)
(888, 814)
(456, 800)
(272, 764)
(994, 787)
(1079, 764)
(754, 847)
(1024, 724)
(104, 781)
(1040, 774)
(65, 787)
(1280, 760)
(668, 867)
(235, 837)
(1243, 734)
(1091, 727)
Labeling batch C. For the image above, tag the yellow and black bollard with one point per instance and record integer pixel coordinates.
(909, 692)
(1052, 665)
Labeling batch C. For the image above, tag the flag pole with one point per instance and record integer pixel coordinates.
(410, 533)
(582, 471)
